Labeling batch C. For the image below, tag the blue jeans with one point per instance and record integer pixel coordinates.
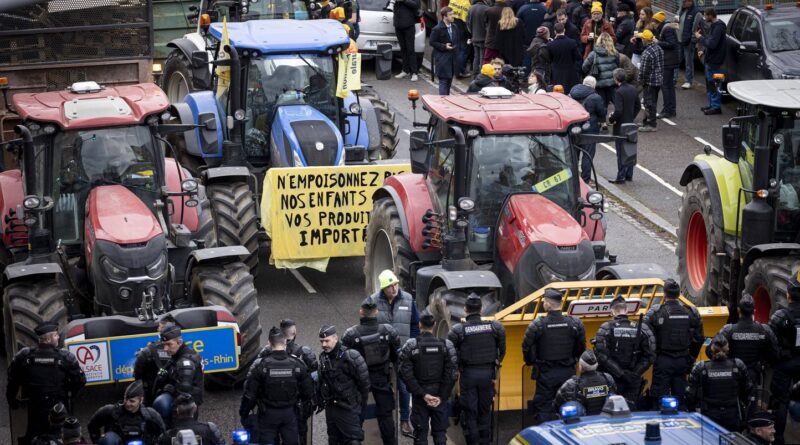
(623, 171)
(163, 404)
(405, 400)
(110, 438)
(586, 161)
(444, 86)
(712, 90)
(688, 59)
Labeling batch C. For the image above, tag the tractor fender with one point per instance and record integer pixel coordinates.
(219, 255)
(766, 250)
(186, 45)
(185, 116)
(410, 194)
(724, 182)
(14, 272)
(203, 106)
(430, 277)
(632, 271)
(189, 216)
(217, 174)
(15, 233)
(365, 130)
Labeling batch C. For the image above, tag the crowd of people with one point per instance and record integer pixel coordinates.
(288, 382)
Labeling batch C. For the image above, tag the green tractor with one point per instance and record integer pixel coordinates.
(739, 227)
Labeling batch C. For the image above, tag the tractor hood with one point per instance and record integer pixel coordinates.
(117, 215)
(304, 137)
(539, 242)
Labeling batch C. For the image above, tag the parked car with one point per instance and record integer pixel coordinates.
(377, 27)
(764, 43)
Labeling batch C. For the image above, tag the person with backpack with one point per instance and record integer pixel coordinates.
(590, 388)
(785, 323)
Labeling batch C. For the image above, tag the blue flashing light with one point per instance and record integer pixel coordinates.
(669, 404)
(241, 437)
(571, 412)
(568, 411)
(135, 442)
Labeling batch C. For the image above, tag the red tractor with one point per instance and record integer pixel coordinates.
(495, 204)
(102, 233)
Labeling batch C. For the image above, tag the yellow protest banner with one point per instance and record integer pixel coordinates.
(223, 72)
(460, 8)
(312, 213)
(349, 78)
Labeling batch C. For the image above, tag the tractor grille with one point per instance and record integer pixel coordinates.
(309, 134)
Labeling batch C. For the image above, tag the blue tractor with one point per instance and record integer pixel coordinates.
(280, 109)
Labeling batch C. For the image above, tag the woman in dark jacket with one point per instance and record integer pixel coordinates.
(624, 30)
(510, 37)
(601, 63)
(668, 41)
(645, 22)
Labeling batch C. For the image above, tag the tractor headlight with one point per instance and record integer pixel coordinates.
(355, 108)
(32, 202)
(115, 272)
(158, 268)
(549, 275)
(189, 185)
(594, 197)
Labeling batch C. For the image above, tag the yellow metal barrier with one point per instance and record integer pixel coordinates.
(516, 387)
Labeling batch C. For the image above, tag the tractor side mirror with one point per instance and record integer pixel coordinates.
(209, 142)
(631, 133)
(418, 146)
(201, 73)
(731, 141)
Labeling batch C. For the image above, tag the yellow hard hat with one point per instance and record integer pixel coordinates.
(487, 70)
(597, 7)
(646, 35)
(659, 16)
(387, 278)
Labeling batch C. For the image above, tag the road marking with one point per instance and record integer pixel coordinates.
(303, 281)
(648, 172)
(668, 121)
(705, 142)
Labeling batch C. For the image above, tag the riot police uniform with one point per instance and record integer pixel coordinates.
(720, 387)
(47, 376)
(481, 346)
(378, 345)
(185, 409)
(679, 336)
(591, 388)
(182, 374)
(625, 349)
(785, 323)
(552, 345)
(149, 361)
(52, 434)
(751, 342)
(428, 367)
(343, 386)
(759, 420)
(120, 426)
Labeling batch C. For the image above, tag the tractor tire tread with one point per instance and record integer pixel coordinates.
(387, 121)
(26, 305)
(176, 61)
(235, 216)
(775, 273)
(385, 216)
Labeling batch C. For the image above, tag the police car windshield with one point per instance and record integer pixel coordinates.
(782, 34)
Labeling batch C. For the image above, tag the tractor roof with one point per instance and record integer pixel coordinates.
(284, 36)
(775, 93)
(121, 105)
(520, 113)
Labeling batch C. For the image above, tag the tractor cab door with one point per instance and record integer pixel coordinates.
(440, 175)
(787, 163)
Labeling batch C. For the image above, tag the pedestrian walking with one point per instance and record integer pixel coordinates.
(46, 375)
(785, 323)
(476, 26)
(510, 34)
(532, 16)
(626, 107)
(552, 345)
(623, 29)
(493, 15)
(182, 373)
(720, 387)
(595, 105)
(481, 346)
(651, 76)
(601, 63)
(428, 367)
(714, 45)
(343, 386)
(151, 359)
(564, 57)
(625, 349)
(536, 83)
(484, 79)
(668, 41)
(686, 23)
(444, 40)
(645, 22)
(590, 388)
(397, 308)
(538, 53)
(126, 421)
(679, 335)
(405, 17)
(593, 27)
(185, 419)
(378, 345)
(761, 428)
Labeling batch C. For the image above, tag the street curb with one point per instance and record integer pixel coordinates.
(641, 209)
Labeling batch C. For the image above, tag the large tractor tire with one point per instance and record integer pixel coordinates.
(386, 119)
(699, 242)
(26, 304)
(231, 286)
(176, 81)
(448, 308)
(205, 225)
(766, 280)
(235, 215)
(386, 247)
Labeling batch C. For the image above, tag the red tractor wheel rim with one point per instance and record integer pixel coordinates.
(763, 304)
(697, 251)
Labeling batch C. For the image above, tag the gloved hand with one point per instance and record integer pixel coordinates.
(169, 388)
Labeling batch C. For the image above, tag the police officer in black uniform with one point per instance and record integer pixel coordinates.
(481, 346)
(552, 345)
(378, 345)
(127, 420)
(428, 367)
(275, 384)
(71, 432)
(751, 342)
(761, 428)
(720, 387)
(679, 336)
(183, 373)
(55, 419)
(625, 349)
(46, 374)
(591, 388)
(785, 323)
(343, 386)
(185, 412)
(151, 359)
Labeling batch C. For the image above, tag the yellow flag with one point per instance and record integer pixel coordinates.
(460, 9)
(349, 78)
(223, 72)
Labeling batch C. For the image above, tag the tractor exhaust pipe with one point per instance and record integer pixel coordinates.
(28, 157)
(233, 151)
(454, 251)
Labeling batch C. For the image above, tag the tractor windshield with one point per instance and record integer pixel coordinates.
(277, 9)
(505, 164)
(90, 158)
(788, 175)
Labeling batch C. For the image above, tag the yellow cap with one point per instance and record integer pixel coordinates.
(337, 14)
(646, 35)
(597, 7)
(487, 70)
(387, 278)
(659, 16)
(347, 28)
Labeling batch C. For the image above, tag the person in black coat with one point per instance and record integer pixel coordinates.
(624, 29)
(484, 79)
(626, 106)
(405, 19)
(714, 46)
(595, 105)
(443, 40)
(668, 41)
(510, 34)
(564, 59)
(570, 30)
